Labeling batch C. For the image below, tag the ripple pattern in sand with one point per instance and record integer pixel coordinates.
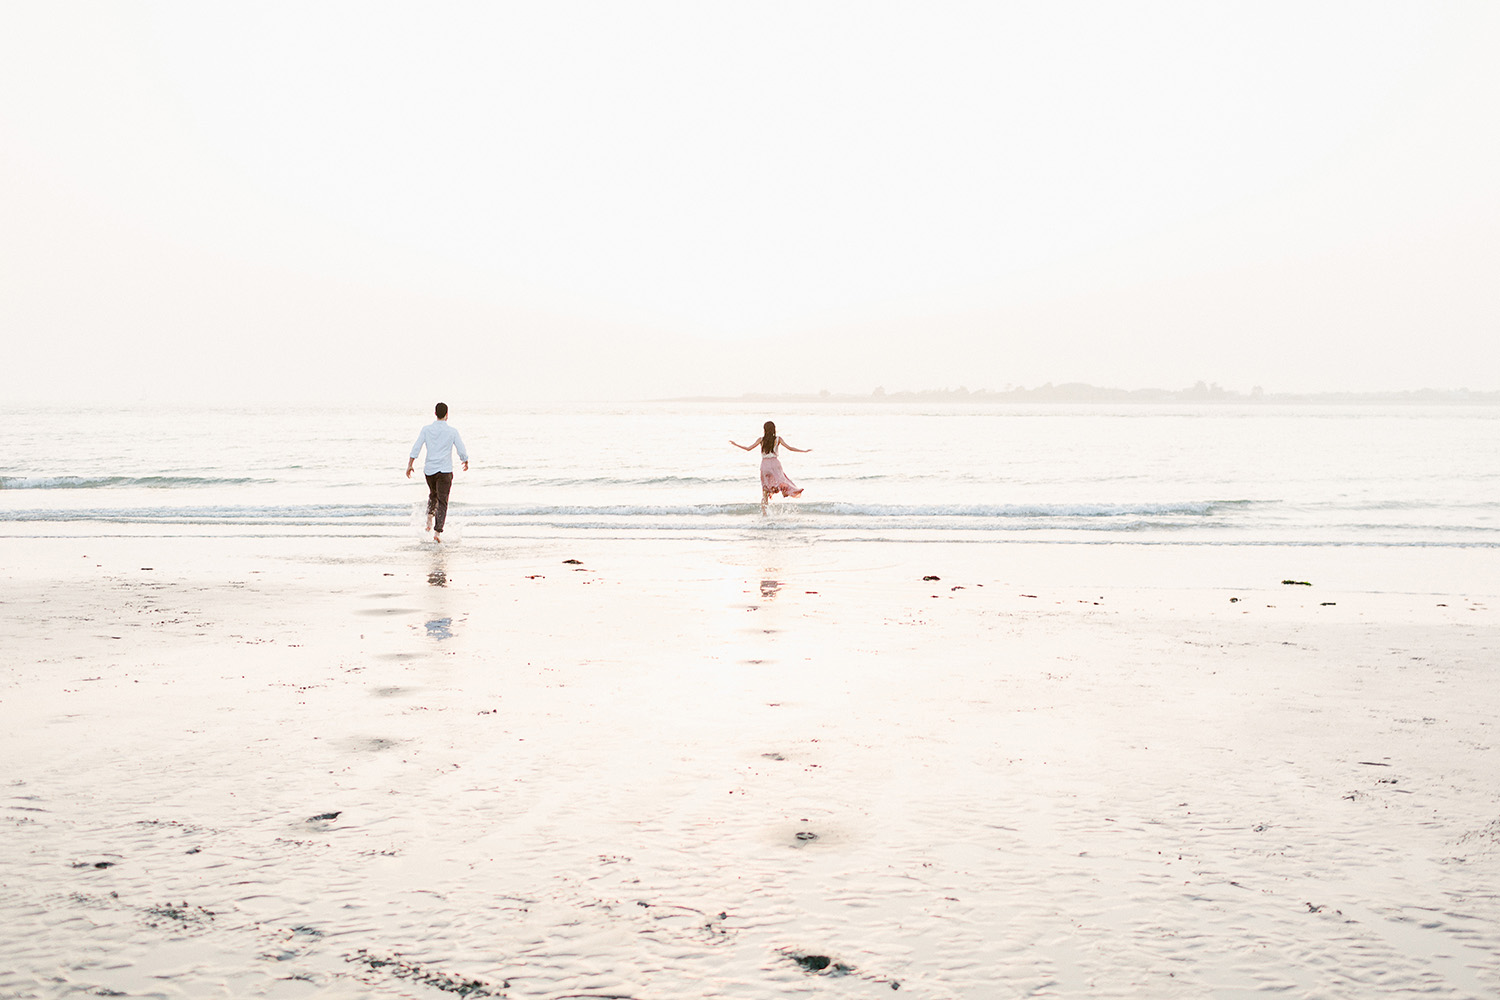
(1055, 806)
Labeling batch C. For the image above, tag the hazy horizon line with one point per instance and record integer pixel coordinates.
(1048, 392)
(1083, 391)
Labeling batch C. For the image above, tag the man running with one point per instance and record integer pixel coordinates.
(440, 438)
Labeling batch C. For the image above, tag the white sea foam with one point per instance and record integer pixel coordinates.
(121, 482)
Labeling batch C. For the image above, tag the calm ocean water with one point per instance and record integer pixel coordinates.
(1302, 475)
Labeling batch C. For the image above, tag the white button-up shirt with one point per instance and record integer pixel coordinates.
(440, 439)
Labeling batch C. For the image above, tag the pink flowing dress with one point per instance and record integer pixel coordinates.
(773, 478)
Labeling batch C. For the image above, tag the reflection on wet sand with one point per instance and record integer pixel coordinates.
(440, 626)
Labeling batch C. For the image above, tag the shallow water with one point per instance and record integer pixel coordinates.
(1210, 475)
(286, 769)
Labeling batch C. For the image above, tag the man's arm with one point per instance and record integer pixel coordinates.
(463, 453)
(416, 450)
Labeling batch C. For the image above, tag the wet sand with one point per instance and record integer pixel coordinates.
(366, 767)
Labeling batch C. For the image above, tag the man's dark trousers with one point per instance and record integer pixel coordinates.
(438, 485)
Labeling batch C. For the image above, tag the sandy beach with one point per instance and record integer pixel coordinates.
(365, 767)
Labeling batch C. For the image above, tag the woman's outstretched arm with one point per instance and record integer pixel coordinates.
(789, 447)
(749, 447)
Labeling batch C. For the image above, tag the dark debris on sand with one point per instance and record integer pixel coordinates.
(820, 964)
(180, 915)
(416, 972)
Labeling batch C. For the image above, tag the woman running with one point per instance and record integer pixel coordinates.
(773, 478)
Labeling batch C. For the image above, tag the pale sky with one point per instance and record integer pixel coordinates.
(503, 201)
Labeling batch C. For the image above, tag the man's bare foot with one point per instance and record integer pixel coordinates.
(429, 522)
(437, 536)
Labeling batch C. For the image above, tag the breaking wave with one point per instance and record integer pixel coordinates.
(119, 482)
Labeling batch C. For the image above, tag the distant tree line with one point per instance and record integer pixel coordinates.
(1082, 392)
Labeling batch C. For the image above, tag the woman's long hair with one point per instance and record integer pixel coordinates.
(768, 439)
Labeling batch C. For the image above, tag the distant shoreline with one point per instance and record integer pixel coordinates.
(1079, 392)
